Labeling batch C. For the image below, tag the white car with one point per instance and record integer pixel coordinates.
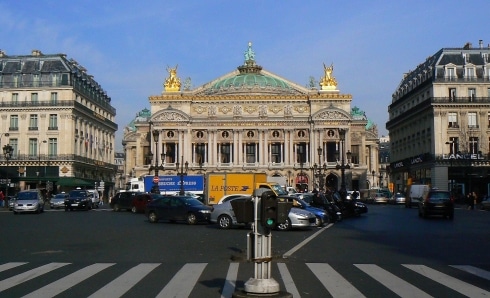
(29, 201)
(95, 198)
(226, 198)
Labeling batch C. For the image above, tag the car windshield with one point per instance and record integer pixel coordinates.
(278, 190)
(77, 193)
(26, 196)
(61, 196)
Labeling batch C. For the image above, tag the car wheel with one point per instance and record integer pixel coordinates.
(224, 221)
(152, 217)
(133, 210)
(284, 226)
(191, 219)
(116, 208)
(318, 222)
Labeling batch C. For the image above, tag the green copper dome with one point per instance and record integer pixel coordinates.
(250, 79)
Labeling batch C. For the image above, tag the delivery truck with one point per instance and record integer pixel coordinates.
(221, 184)
(167, 184)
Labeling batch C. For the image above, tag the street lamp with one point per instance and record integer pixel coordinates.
(343, 165)
(182, 174)
(320, 170)
(380, 180)
(39, 161)
(7, 152)
(373, 173)
(156, 167)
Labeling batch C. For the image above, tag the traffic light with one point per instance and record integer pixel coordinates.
(268, 214)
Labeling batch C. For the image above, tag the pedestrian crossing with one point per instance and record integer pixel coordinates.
(27, 279)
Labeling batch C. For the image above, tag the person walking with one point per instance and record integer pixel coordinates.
(2, 198)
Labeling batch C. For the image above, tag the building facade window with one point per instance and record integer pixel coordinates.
(52, 146)
(54, 97)
(53, 122)
(15, 146)
(452, 118)
(276, 153)
(472, 121)
(450, 73)
(34, 98)
(33, 147)
(250, 153)
(15, 98)
(473, 145)
(452, 93)
(33, 122)
(225, 150)
(14, 122)
(471, 93)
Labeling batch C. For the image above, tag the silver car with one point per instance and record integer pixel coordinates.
(58, 201)
(29, 201)
(224, 216)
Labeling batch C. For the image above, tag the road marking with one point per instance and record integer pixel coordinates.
(179, 287)
(288, 280)
(11, 265)
(474, 270)
(28, 275)
(336, 285)
(391, 281)
(448, 281)
(69, 281)
(304, 242)
(119, 286)
(230, 282)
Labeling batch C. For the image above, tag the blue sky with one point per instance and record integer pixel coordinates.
(127, 45)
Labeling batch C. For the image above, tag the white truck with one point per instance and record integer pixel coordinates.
(415, 194)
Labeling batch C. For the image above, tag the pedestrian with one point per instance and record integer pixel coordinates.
(2, 198)
(475, 200)
(470, 201)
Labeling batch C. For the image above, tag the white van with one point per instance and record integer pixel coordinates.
(95, 198)
(415, 195)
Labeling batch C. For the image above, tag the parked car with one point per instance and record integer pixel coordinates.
(380, 198)
(123, 200)
(348, 207)
(485, 203)
(58, 201)
(321, 215)
(227, 198)
(437, 202)
(95, 198)
(78, 199)
(11, 202)
(140, 201)
(177, 208)
(398, 198)
(224, 215)
(299, 219)
(29, 201)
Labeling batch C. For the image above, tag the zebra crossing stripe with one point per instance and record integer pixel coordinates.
(180, 286)
(11, 265)
(448, 281)
(474, 270)
(126, 281)
(391, 281)
(288, 280)
(336, 285)
(28, 275)
(68, 281)
(230, 283)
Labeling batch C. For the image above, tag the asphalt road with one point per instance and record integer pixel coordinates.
(110, 244)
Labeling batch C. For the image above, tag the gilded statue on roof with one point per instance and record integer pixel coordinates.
(328, 82)
(172, 83)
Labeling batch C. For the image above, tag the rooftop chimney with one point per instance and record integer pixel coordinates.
(480, 42)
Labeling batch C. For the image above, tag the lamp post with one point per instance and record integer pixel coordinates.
(343, 166)
(7, 152)
(182, 173)
(156, 167)
(39, 161)
(320, 169)
(380, 180)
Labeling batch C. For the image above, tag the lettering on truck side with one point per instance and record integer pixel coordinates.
(224, 188)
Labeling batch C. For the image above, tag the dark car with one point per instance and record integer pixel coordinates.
(349, 207)
(178, 208)
(437, 202)
(141, 200)
(124, 200)
(78, 199)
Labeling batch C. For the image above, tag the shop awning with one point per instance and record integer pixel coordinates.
(73, 181)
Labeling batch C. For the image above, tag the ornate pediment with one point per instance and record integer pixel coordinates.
(170, 115)
(331, 115)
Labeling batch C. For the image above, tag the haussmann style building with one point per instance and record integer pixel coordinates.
(57, 125)
(439, 122)
(251, 120)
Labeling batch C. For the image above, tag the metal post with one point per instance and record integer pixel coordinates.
(7, 151)
(182, 174)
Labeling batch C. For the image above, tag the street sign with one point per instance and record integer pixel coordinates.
(156, 179)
